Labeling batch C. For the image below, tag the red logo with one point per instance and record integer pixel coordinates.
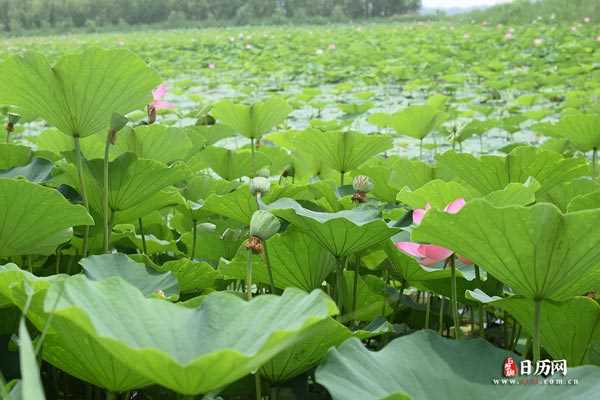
(510, 367)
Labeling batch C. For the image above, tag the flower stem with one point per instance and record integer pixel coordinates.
(194, 238)
(105, 194)
(249, 276)
(269, 269)
(457, 332)
(355, 286)
(339, 285)
(144, 248)
(427, 310)
(79, 161)
(258, 386)
(441, 322)
(536, 330)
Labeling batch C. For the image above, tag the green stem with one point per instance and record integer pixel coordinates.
(253, 149)
(355, 286)
(105, 193)
(516, 338)
(194, 238)
(57, 266)
(594, 162)
(111, 396)
(144, 248)
(258, 386)
(441, 322)
(421, 149)
(269, 268)
(342, 173)
(249, 276)
(536, 331)
(427, 310)
(456, 319)
(480, 309)
(79, 162)
(386, 279)
(339, 285)
(30, 264)
(127, 395)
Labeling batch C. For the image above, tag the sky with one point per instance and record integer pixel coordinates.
(460, 3)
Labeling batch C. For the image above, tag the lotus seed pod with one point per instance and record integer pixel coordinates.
(263, 224)
(264, 172)
(259, 185)
(362, 183)
(13, 118)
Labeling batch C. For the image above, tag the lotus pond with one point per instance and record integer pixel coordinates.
(351, 213)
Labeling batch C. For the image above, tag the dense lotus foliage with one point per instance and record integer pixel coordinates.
(347, 213)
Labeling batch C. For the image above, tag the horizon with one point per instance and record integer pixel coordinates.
(444, 4)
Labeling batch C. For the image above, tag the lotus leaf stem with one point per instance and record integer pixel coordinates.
(111, 396)
(258, 386)
(594, 162)
(342, 173)
(441, 322)
(249, 276)
(427, 310)
(79, 163)
(194, 238)
(456, 319)
(355, 286)
(269, 268)
(105, 193)
(536, 330)
(144, 248)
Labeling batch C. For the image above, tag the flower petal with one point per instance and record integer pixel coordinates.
(433, 254)
(159, 92)
(410, 248)
(455, 206)
(417, 215)
(160, 105)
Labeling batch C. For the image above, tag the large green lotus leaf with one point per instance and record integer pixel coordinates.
(588, 201)
(514, 194)
(538, 251)
(127, 236)
(145, 279)
(238, 205)
(35, 219)
(567, 329)
(38, 170)
(187, 350)
(79, 94)
(580, 129)
(342, 233)
(322, 192)
(16, 285)
(341, 151)
(133, 181)
(490, 173)
(159, 142)
(229, 164)
(370, 297)
(562, 195)
(392, 174)
(296, 258)
(169, 197)
(425, 366)
(415, 121)
(210, 244)
(192, 276)
(307, 353)
(436, 193)
(255, 120)
(199, 187)
(206, 135)
(13, 155)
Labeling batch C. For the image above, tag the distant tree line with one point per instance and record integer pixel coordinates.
(18, 15)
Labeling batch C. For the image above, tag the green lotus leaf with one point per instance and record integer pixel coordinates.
(192, 276)
(342, 233)
(105, 266)
(174, 346)
(418, 366)
(490, 173)
(580, 129)
(514, 194)
(437, 193)
(160, 143)
(127, 236)
(13, 155)
(567, 329)
(35, 219)
(210, 244)
(307, 353)
(78, 94)
(297, 260)
(238, 205)
(202, 136)
(255, 120)
(415, 121)
(588, 201)
(169, 197)
(369, 297)
(562, 195)
(341, 151)
(538, 251)
(38, 170)
(229, 164)
(133, 181)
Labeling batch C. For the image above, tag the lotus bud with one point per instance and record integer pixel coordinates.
(151, 114)
(259, 185)
(263, 224)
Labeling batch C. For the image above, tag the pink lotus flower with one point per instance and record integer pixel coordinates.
(211, 66)
(428, 254)
(157, 94)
